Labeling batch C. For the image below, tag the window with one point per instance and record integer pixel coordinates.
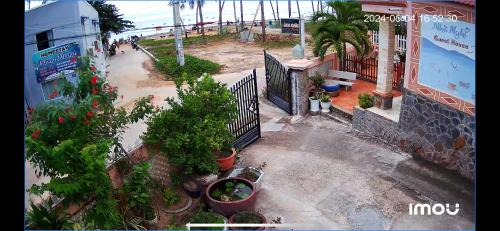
(51, 89)
(44, 40)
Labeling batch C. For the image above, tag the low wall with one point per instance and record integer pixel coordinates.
(426, 128)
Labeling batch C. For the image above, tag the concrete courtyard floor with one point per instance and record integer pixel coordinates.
(320, 176)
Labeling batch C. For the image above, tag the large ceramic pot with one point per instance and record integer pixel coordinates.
(233, 220)
(192, 188)
(258, 183)
(229, 207)
(314, 104)
(227, 163)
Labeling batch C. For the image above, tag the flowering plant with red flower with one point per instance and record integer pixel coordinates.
(74, 152)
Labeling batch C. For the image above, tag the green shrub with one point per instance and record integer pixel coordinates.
(365, 100)
(170, 197)
(136, 189)
(193, 66)
(195, 126)
(202, 217)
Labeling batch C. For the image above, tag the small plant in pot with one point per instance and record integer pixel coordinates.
(202, 217)
(325, 103)
(253, 174)
(230, 195)
(318, 80)
(247, 217)
(136, 191)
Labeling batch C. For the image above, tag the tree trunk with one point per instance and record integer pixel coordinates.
(277, 11)
(312, 4)
(235, 18)
(298, 8)
(272, 8)
(343, 59)
(289, 8)
(220, 17)
(263, 20)
(242, 23)
(202, 24)
(197, 20)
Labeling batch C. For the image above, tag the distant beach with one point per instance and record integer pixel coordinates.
(159, 13)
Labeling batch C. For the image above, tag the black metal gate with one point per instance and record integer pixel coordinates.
(278, 83)
(246, 127)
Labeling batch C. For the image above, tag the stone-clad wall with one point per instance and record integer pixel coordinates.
(438, 133)
(428, 129)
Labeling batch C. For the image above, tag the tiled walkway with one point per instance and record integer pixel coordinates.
(347, 100)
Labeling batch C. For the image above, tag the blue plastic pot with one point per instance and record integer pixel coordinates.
(331, 87)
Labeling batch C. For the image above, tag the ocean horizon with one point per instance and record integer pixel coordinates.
(147, 14)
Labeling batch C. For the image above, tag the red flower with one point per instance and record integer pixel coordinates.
(94, 91)
(73, 59)
(90, 113)
(86, 121)
(92, 68)
(72, 117)
(36, 134)
(60, 120)
(30, 110)
(95, 104)
(94, 79)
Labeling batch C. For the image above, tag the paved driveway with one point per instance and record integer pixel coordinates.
(320, 175)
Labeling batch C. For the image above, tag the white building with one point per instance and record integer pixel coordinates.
(54, 24)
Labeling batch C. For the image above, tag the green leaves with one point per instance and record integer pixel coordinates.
(70, 140)
(195, 125)
(345, 26)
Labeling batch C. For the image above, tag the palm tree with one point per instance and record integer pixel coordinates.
(345, 26)
(199, 4)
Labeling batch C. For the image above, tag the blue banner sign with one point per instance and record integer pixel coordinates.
(54, 60)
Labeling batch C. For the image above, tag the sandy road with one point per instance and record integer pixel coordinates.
(133, 73)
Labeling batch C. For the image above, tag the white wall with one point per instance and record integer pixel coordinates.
(63, 18)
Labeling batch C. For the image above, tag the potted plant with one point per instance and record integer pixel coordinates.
(136, 190)
(314, 100)
(192, 188)
(175, 201)
(247, 217)
(317, 80)
(255, 175)
(202, 217)
(325, 103)
(230, 195)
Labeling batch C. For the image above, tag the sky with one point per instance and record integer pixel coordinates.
(159, 13)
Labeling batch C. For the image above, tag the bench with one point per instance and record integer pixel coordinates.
(335, 76)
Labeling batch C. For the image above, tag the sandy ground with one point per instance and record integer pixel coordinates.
(237, 56)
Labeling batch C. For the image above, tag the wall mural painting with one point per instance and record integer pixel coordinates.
(447, 57)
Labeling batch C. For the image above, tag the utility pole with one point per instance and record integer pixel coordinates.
(241, 11)
(263, 20)
(178, 34)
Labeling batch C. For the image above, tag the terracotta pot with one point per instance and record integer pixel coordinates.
(228, 208)
(227, 163)
(262, 218)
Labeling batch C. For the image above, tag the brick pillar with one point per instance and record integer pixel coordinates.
(383, 92)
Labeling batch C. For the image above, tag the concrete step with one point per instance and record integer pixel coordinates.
(436, 183)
